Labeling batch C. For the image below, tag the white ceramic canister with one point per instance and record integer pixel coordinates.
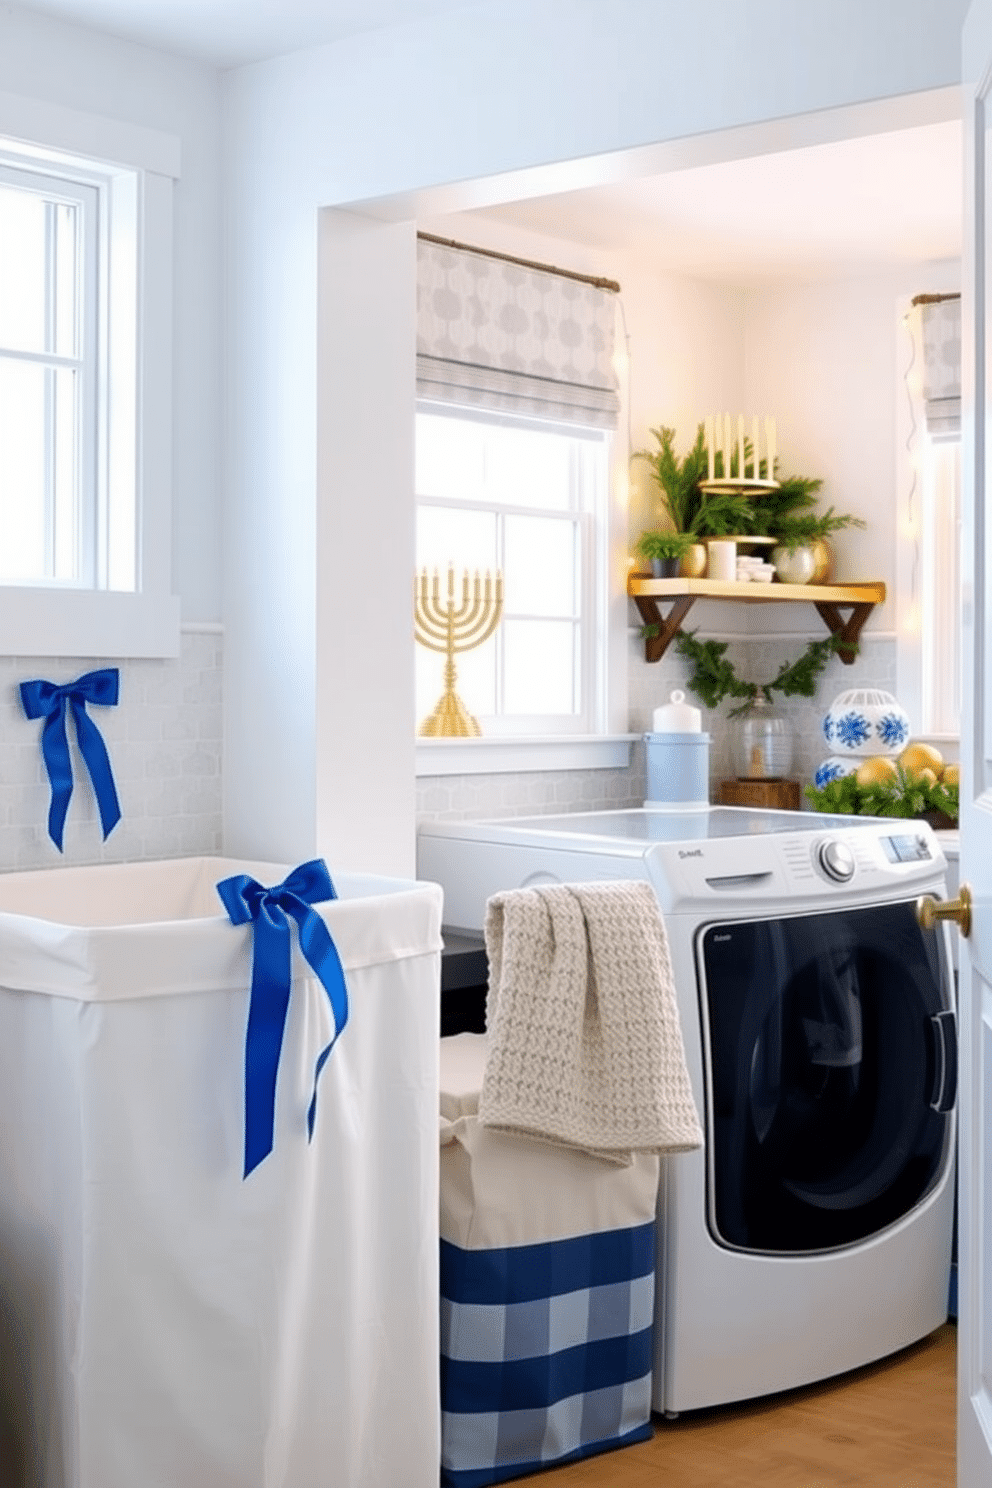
(722, 560)
(677, 716)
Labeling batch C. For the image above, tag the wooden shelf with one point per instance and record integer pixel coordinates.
(830, 601)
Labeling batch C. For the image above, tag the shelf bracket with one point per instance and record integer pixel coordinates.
(846, 631)
(668, 626)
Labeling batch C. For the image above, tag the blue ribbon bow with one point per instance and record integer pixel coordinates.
(45, 700)
(271, 980)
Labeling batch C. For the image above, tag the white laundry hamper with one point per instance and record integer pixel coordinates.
(164, 1322)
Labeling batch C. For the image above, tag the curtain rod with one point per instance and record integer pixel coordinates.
(524, 263)
(933, 299)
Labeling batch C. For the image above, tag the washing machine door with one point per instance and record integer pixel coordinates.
(830, 1052)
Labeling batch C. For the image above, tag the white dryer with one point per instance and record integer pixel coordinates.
(812, 1233)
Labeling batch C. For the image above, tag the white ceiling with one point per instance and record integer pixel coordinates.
(820, 211)
(823, 211)
(228, 33)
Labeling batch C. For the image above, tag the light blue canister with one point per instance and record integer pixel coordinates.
(678, 757)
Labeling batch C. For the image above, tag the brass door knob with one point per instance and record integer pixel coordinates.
(930, 910)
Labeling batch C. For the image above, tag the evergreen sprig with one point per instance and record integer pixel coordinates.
(904, 796)
(713, 677)
(678, 480)
(794, 497)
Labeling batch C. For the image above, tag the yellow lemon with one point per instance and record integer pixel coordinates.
(918, 757)
(951, 775)
(876, 770)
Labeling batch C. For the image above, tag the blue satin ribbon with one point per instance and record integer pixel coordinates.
(45, 700)
(271, 979)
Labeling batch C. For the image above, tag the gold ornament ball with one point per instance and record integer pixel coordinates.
(916, 758)
(877, 769)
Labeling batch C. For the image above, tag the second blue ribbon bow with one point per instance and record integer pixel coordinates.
(45, 700)
(271, 980)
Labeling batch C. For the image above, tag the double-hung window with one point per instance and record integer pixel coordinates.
(49, 297)
(930, 518)
(517, 403)
(85, 386)
(526, 499)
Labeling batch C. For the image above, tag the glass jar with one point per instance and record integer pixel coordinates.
(796, 566)
(762, 741)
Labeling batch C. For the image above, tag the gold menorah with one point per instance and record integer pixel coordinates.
(441, 626)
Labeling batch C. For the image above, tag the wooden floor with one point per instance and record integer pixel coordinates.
(889, 1425)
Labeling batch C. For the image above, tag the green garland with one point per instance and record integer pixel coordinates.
(713, 677)
(903, 796)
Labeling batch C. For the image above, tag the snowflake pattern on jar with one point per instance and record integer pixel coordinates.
(852, 730)
(833, 769)
(893, 730)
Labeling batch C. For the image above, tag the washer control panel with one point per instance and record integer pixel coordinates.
(836, 859)
(906, 847)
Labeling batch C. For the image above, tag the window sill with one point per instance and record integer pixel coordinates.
(490, 756)
(87, 623)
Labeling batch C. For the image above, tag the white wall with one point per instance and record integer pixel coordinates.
(826, 359)
(45, 59)
(368, 277)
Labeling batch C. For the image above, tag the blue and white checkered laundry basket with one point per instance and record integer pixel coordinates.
(547, 1293)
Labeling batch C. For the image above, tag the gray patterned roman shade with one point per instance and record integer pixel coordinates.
(500, 335)
(941, 321)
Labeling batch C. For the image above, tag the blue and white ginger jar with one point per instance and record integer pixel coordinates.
(865, 721)
(833, 769)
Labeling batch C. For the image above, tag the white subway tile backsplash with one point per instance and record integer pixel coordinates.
(164, 740)
(456, 797)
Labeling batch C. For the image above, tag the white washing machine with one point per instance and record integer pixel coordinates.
(812, 1233)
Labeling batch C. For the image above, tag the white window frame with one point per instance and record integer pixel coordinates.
(554, 744)
(136, 168)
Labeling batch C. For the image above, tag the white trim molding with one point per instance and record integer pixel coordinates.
(489, 756)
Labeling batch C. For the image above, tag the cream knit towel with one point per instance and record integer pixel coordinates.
(585, 1041)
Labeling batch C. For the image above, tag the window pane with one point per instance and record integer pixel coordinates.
(22, 271)
(39, 487)
(497, 463)
(466, 539)
(540, 561)
(23, 463)
(64, 225)
(941, 588)
(65, 490)
(539, 667)
(450, 458)
(529, 467)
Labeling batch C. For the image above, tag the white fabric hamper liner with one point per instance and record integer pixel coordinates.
(163, 1322)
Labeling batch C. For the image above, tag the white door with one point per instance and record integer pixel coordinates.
(975, 1105)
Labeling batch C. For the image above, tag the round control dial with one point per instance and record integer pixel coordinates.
(836, 860)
